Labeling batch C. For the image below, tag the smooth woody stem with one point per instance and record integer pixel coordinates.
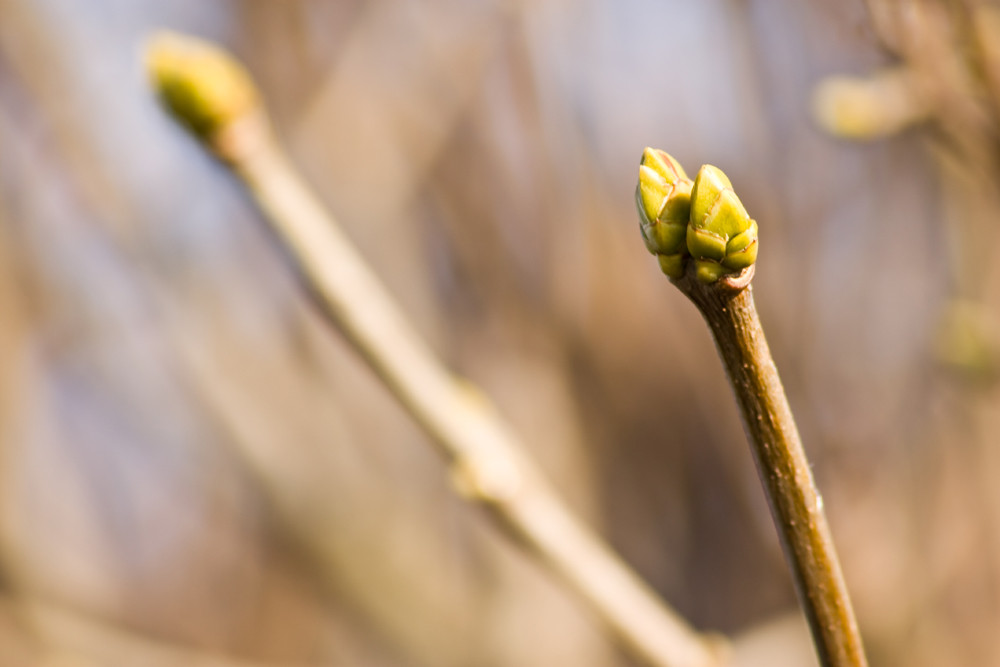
(486, 458)
(796, 506)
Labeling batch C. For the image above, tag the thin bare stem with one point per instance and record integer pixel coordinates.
(486, 458)
(796, 507)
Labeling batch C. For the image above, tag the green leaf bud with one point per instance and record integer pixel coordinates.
(869, 108)
(663, 200)
(721, 237)
(968, 341)
(708, 271)
(672, 265)
(663, 164)
(204, 87)
(652, 192)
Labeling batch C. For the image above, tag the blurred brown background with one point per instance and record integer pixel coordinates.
(196, 469)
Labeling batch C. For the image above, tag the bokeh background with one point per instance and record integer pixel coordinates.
(197, 470)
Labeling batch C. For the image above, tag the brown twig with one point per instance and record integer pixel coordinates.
(796, 506)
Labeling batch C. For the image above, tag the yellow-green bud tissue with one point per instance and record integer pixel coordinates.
(721, 236)
(663, 200)
(203, 86)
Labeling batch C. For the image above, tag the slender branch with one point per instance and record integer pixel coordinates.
(487, 463)
(707, 244)
(796, 506)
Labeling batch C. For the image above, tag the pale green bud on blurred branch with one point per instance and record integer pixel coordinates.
(968, 341)
(663, 199)
(721, 237)
(204, 87)
(869, 108)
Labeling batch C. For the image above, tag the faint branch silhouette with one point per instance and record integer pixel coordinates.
(212, 96)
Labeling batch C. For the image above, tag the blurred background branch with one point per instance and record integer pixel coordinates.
(207, 91)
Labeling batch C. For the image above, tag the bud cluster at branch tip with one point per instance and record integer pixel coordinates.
(201, 85)
(703, 221)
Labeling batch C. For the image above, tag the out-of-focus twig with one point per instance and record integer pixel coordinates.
(214, 98)
(947, 79)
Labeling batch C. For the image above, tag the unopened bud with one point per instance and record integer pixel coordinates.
(721, 237)
(869, 108)
(663, 199)
(204, 87)
(968, 341)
